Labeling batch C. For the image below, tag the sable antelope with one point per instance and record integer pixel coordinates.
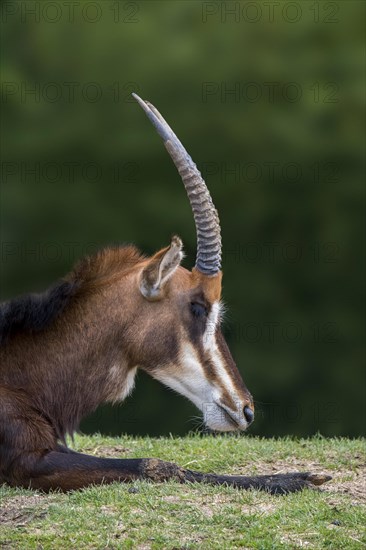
(80, 344)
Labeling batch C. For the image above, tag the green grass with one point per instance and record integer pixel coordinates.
(173, 516)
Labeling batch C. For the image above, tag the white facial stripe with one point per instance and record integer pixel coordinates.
(210, 346)
(221, 372)
(212, 320)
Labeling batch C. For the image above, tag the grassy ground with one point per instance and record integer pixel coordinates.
(173, 516)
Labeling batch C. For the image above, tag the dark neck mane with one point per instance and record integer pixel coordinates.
(35, 312)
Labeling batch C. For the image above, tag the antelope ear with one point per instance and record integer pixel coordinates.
(161, 266)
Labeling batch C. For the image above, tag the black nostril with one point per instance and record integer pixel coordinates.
(249, 414)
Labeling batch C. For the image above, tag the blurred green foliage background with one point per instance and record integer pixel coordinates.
(269, 100)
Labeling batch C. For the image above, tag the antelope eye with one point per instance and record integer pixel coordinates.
(198, 310)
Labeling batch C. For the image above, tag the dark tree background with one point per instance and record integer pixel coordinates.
(268, 98)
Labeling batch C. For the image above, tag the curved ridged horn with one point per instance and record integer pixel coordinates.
(208, 259)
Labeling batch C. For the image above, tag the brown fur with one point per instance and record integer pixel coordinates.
(105, 267)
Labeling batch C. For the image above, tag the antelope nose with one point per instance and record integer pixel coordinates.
(249, 414)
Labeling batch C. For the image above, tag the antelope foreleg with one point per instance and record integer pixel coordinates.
(67, 471)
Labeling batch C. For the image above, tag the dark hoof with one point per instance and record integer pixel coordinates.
(282, 484)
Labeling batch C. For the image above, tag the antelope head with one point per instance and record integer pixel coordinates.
(181, 343)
